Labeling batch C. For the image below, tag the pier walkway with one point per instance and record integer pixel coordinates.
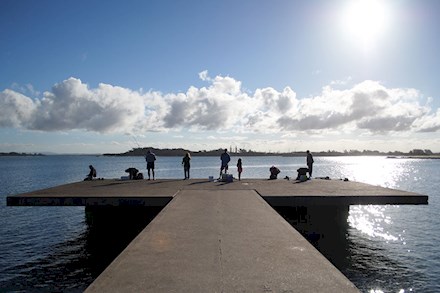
(220, 241)
(221, 237)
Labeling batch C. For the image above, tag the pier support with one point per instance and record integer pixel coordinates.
(318, 222)
(120, 216)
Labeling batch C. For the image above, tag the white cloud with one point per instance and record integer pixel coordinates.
(72, 105)
(341, 81)
(367, 106)
(16, 110)
(428, 123)
(26, 89)
(204, 75)
(219, 106)
(223, 106)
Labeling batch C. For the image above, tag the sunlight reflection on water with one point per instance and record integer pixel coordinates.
(390, 262)
(373, 170)
(373, 220)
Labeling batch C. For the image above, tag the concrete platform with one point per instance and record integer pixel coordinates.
(220, 237)
(220, 241)
(113, 192)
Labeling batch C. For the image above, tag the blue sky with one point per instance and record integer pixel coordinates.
(107, 76)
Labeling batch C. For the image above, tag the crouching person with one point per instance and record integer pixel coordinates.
(132, 173)
(92, 173)
(274, 171)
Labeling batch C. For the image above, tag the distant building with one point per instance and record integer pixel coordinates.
(420, 152)
(428, 152)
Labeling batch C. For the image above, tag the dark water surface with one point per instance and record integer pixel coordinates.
(379, 248)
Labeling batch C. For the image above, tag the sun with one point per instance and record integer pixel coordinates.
(365, 21)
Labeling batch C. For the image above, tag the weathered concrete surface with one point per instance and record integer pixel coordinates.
(220, 241)
(337, 192)
(111, 192)
(159, 192)
(217, 236)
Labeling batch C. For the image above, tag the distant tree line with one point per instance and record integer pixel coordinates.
(244, 152)
(167, 152)
(19, 154)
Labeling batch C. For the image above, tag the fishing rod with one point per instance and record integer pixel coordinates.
(137, 143)
(135, 140)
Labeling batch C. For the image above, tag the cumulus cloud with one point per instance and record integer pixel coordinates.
(222, 105)
(428, 123)
(16, 110)
(368, 106)
(219, 106)
(204, 75)
(72, 105)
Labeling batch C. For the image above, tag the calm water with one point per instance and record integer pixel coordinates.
(382, 249)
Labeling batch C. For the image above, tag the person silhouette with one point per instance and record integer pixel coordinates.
(239, 168)
(186, 164)
(91, 174)
(225, 158)
(309, 161)
(150, 158)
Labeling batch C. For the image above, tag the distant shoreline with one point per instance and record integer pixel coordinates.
(15, 154)
(247, 153)
(139, 152)
(415, 157)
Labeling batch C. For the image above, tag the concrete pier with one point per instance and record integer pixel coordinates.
(220, 241)
(221, 237)
(114, 192)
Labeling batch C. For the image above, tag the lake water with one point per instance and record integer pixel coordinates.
(381, 249)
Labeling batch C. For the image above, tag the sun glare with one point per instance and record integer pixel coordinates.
(365, 21)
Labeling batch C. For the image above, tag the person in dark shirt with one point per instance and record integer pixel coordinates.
(132, 173)
(150, 158)
(239, 168)
(186, 164)
(225, 158)
(310, 161)
(274, 171)
(91, 174)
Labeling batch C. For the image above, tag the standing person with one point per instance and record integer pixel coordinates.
(310, 162)
(150, 158)
(225, 158)
(186, 165)
(239, 168)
